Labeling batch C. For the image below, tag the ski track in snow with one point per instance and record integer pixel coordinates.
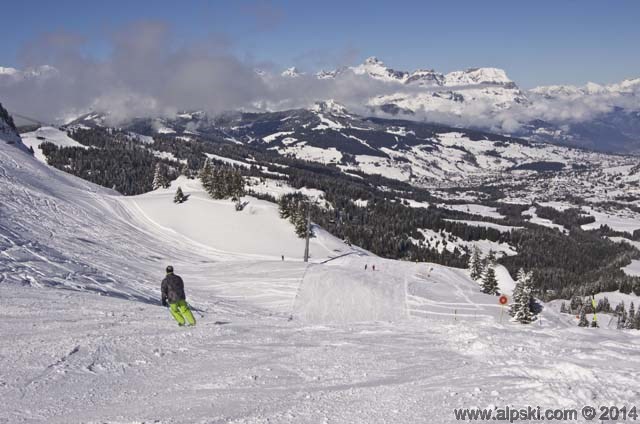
(93, 359)
(276, 341)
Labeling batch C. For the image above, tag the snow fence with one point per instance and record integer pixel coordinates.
(335, 294)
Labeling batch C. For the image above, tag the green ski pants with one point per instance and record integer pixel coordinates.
(180, 311)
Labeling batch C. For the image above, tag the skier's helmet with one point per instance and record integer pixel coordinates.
(169, 269)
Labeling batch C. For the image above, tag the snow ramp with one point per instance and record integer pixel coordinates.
(338, 294)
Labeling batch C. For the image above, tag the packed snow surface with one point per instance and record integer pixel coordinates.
(86, 341)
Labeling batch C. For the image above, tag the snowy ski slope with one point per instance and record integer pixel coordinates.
(277, 341)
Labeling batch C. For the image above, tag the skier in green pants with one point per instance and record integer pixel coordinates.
(173, 296)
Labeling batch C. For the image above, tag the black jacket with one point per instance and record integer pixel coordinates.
(172, 288)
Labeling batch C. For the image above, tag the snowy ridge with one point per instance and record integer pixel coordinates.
(376, 69)
(628, 86)
(452, 92)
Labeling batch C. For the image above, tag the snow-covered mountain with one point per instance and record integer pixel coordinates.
(292, 72)
(420, 153)
(426, 90)
(375, 68)
(628, 86)
(599, 117)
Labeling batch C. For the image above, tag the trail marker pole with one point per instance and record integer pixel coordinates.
(306, 245)
(593, 305)
(503, 301)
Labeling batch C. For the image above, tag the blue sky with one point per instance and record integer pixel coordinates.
(536, 42)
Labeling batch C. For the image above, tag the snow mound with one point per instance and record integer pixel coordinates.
(337, 294)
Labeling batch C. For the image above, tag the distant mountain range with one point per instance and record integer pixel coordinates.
(415, 152)
(598, 117)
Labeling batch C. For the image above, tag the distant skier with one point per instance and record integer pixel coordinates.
(173, 297)
(282, 258)
(365, 267)
(373, 267)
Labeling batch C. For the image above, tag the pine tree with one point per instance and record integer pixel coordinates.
(622, 319)
(300, 219)
(179, 197)
(524, 314)
(284, 207)
(523, 298)
(237, 186)
(563, 308)
(475, 264)
(583, 319)
(489, 259)
(160, 179)
(631, 317)
(294, 208)
(215, 186)
(184, 170)
(517, 292)
(205, 175)
(489, 280)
